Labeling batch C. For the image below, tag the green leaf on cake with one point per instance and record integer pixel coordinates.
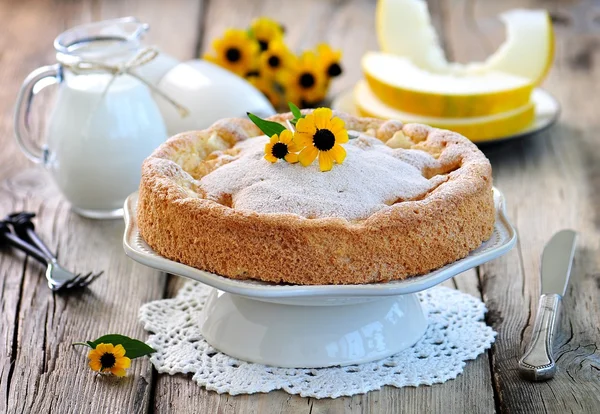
(269, 128)
(296, 112)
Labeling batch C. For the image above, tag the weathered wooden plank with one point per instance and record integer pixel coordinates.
(551, 182)
(348, 25)
(39, 370)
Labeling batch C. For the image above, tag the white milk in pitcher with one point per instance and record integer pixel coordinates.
(98, 138)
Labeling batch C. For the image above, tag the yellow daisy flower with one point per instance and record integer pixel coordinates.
(330, 60)
(109, 358)
(267, 87)
(305, 80)
(275, 58)
(265, 30)
(235, 51)
(320, 133)
(282, 147)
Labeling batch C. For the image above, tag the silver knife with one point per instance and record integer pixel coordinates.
(537, 364)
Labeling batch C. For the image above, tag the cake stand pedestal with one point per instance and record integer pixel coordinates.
(314, 326)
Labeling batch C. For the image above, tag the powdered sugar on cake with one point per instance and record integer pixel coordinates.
(373, 177)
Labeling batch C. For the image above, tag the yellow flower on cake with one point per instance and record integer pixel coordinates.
(282, 146)
(109, 358)
(275, 58)
(305, 80)
(235, 51)
(320, 134)
(265, 30)
(330, 60)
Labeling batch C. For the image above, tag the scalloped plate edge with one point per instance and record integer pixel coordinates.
(137, 249)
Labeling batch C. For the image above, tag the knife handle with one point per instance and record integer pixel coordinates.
(537, 364)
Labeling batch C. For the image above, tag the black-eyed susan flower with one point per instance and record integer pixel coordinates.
(281, 146)
(265, 30)
(108, 358)
(275, 58)
(304, 81)
(330, 60)
(235, 51)
(320, 134)
(267, 87)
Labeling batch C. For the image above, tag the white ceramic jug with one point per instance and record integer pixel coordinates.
(103, 124)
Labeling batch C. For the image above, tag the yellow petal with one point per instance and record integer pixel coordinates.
(292, 147)
(104, 348)
(119, 372)
(303, 139)
(270, 157)
(94, 354)
(285, 137)
(337, 124)
(274, 139)
(122, 362)
(325, 161)
(269, 148)
(306, 125)
(95, 364)
(291, 158)
(338, 153)
(119, 351)
(308, 155)
(341, 137)
(322, 117)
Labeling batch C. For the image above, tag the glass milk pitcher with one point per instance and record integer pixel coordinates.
(104, 122)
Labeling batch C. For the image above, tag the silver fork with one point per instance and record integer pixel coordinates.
(59, 278)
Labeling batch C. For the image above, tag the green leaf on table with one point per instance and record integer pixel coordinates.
(269, 128)
(133, 347)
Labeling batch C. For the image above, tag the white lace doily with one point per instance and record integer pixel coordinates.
(455, 334)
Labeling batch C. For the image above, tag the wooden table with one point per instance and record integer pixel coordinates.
(551, 181)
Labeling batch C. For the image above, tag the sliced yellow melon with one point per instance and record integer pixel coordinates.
(402, 85)
(404, 28)
(475, 128)
(529, 47)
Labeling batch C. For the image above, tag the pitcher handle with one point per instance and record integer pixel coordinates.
(31, 87)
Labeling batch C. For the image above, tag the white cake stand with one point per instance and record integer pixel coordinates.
(314, 326)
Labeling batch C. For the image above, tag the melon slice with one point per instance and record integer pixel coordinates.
(475, 128)
(402, 85)
(404, 28)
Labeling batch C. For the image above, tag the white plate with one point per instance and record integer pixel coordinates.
(254, 321)
(502, 240)
(547, 111)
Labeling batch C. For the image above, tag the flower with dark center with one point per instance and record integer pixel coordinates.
(323, 139)
(281, 147)
(106, 358)
(264, 45)
(279, 150)
(320, 134)
(330, 60)
(233, 54)
(274, 61)
(265, 31)
(306, 80)
(334, 70)
(235, 51)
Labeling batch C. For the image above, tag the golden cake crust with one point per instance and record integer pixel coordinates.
(410, 238)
